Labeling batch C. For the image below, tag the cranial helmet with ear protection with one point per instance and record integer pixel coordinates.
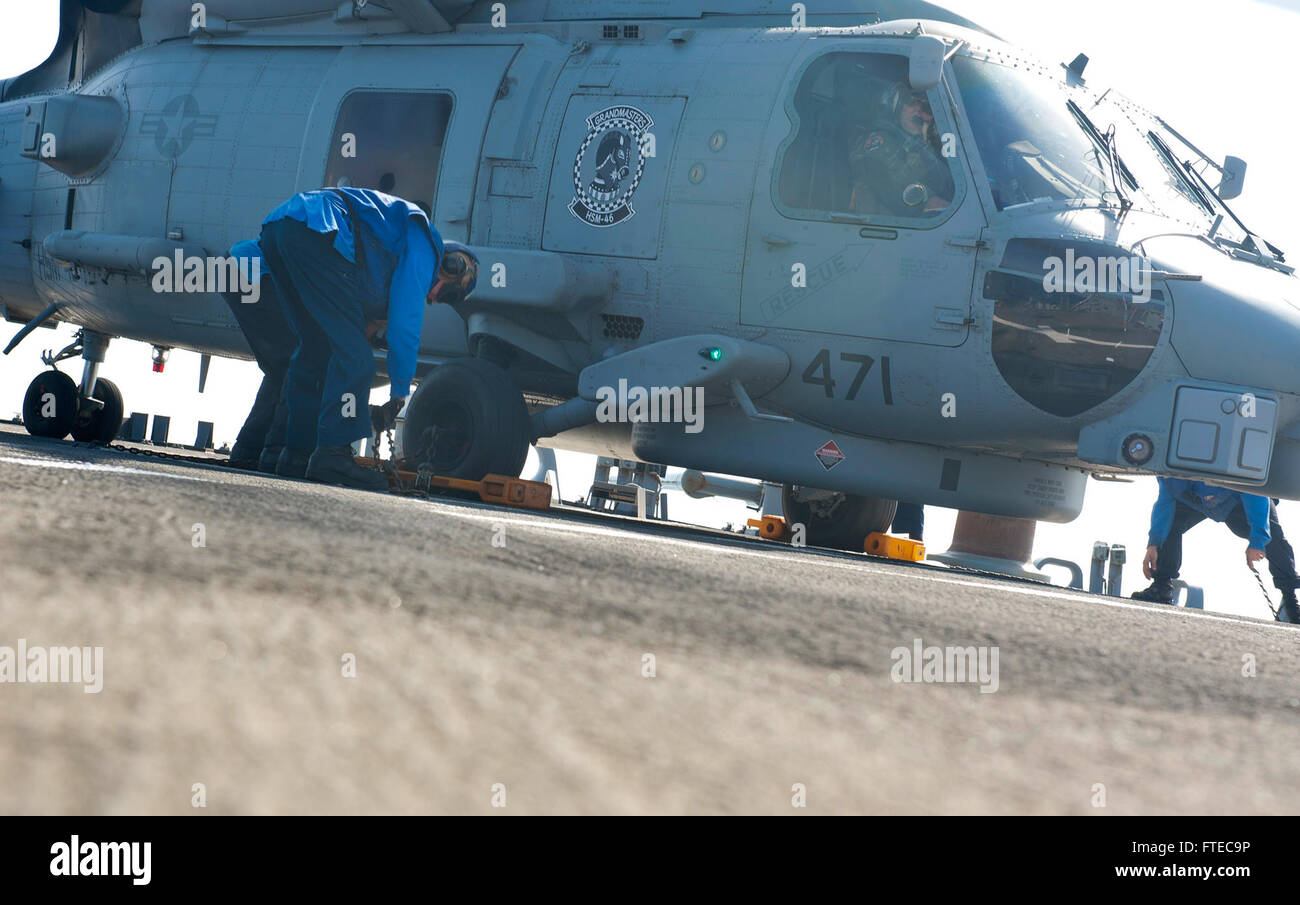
(899, 94)
(459, 268)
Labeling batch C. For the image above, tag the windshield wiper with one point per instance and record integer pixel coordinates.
(1119, 172)
(1172, 162)
(1264, 249)
(1255, 244)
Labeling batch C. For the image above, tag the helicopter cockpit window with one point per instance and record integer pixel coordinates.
(1032, 147)
(865, 142)
(390, 141)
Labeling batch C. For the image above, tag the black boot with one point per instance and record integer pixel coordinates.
(292, 462)
(1159, 592)
(243, 457)
(266, 461)
(335, 465)
(1290, 611)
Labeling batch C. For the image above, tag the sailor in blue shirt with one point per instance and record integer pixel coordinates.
(1184, 504)
(272, 342)
(350, 264)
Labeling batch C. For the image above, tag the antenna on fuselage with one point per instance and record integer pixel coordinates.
(1080, 63)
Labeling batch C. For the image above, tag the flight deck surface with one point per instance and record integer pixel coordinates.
(524, 662)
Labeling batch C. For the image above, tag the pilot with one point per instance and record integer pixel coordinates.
(897, 166)
(272, 341)
(350, 264)
(1184, 504)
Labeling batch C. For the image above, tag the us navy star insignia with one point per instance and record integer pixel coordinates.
(176, 127)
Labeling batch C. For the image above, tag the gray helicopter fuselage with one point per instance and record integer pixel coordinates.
(903, 346)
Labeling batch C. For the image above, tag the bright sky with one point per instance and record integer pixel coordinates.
(1221, 73)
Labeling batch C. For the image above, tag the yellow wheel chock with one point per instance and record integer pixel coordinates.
(894, 548)
(770, 527)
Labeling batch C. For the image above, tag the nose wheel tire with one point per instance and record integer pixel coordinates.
(100, 425)
(467, 420)
(840, 521)
(50, 406)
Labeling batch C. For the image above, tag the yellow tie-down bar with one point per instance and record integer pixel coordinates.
(494, 488)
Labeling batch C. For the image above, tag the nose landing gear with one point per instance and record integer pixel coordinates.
(54, 406)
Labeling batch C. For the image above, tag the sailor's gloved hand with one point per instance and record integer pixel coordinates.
(384, 417)
(377, 334)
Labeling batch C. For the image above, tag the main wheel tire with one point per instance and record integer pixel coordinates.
(842, 521)
(101, 425)
(467, 419)
(53, 392)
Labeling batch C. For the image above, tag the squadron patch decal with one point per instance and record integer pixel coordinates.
(605, 180)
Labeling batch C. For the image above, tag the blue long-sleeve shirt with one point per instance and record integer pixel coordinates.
(405, 233)
(1214, 502)
(246, 252)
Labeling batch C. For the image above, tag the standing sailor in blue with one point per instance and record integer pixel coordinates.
(1184, 504)
(272, 342)
(348, 265)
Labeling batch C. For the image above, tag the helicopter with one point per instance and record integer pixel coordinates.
(892, 256)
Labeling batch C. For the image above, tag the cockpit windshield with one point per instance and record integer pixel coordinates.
(1032, 147)
(1165, 187)
(1035, 149)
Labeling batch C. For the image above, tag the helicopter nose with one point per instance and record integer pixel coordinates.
(1238, 324)
(1231, 336)
(1244, 333)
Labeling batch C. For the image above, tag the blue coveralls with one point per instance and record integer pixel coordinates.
(272, 342)
(1184, 504)
(310, 250)
(909, 520)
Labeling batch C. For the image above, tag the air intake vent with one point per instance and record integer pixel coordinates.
(621, 326)
(613, 32)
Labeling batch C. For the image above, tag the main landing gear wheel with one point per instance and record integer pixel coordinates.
(467, 420)
(100, 424)
(840, 521)
(50, 406)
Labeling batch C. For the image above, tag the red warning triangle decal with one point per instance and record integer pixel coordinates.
(829, 455)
